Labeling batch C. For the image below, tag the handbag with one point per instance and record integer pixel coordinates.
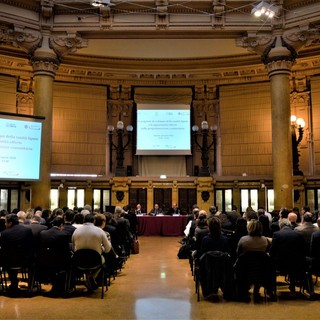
(135, 246)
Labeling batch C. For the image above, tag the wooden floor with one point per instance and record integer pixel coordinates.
(154, 284)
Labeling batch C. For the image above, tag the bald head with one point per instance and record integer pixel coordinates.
(292, 217)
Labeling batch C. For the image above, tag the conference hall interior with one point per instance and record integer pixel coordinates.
(110, 103)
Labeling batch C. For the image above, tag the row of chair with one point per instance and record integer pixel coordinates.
(65, 272)
(215, 270)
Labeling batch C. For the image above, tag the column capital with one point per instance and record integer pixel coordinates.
(279, 45)
(63, 44)
(26, 39)
(44, 60)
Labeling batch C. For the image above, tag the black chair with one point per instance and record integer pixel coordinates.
(53, 266)
(88, 262)
(16, 262)
(214, 270)
(255, 268)
(300, 274)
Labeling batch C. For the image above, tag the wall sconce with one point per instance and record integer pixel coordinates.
(265, 9)
(296, 124)
(120, 147)
(205, 146)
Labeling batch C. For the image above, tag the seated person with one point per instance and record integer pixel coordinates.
(174, 210)
(91, 237)
(138, 209)
(156, 210)
(214, 240)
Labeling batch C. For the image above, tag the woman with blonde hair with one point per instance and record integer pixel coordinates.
(254, 241)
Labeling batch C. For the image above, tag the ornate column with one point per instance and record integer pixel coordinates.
(279, 51)
(279, 61)
(45, 64)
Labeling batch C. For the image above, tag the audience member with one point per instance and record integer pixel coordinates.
(36, 228)
(22, 217)
(88, 208)
(111, 257)
(215, 240)
(133, 220)
(123, 229)
(283, 214)
(110, 227)
(248, 210)
(254, 241)
(78, 220)
(266, 213)
(39, 214)
(191, 225)
(16, 243)
(265, 225)
(297, 212)
(3, 214)
(306, 228)
(288, 252)
(292, 217)
(58, 242)
(233, 215)
(68, 228)
(91, 237)
(240, 231)
(202, 229)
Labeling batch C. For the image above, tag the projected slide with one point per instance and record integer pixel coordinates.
(20, 145)
(162, 130)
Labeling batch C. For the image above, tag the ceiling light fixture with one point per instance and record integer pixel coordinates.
(98, 3)
(265, 9)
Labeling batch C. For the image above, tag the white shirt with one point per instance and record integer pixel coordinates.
(90, 237)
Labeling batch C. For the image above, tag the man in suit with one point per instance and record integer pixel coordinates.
(288, 251)
(174, 210)
(54, 254)
(17, 249)
(36, 227)
(156, 210)
(306, 228)
(138, 209)
(68, 228)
